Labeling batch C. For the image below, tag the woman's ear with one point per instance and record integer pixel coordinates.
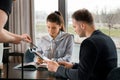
(60, 27)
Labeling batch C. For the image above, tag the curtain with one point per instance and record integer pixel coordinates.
(21, 21)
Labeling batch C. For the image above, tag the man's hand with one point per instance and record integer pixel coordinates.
(66, 64)
(52, 65)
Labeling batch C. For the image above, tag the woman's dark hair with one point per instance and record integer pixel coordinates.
(83, 15)
(57, 18)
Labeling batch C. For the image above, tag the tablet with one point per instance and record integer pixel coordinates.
(39, 54)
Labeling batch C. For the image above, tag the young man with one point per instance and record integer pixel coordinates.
(97, 55)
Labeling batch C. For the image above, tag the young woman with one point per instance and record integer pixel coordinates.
(57, 45)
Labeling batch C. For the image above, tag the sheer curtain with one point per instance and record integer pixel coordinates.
(21, 21)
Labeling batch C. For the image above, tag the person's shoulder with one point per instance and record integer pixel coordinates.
(65, 34)
(44, 38)
(90, 39)
(5, 5)
(100, 36)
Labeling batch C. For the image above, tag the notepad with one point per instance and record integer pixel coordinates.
(31, 66)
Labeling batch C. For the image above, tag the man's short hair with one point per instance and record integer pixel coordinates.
(83, 15)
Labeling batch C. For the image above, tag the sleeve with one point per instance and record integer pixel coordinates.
(68, 51)
(6, 5)
(71, 74)
(75, 65)
(88, 58)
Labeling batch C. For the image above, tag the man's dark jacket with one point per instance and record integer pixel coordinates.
(97, 57)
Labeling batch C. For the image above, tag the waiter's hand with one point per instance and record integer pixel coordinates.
(52, 65)
(16, 39)
(26, 38)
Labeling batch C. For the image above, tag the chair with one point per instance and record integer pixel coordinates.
(28, 56)
(114, 74)
(15, 57)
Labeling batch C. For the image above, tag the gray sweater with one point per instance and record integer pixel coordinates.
(58, 49)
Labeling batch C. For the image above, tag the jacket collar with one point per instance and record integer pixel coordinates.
(96, 32)
(59, 37)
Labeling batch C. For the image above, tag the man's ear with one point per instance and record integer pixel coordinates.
(83, 26)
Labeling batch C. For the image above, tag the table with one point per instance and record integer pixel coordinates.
(37, 74)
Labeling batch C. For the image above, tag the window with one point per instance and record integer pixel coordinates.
(42, 9)
(106, 16)
(105, 13)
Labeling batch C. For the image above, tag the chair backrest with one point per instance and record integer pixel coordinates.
(28, 56)
(15, 57)
(114, 74)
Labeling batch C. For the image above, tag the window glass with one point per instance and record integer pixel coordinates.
(42, 9)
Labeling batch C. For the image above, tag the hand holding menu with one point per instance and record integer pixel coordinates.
(42, 57)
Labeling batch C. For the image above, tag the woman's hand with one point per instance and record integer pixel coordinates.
(39, 60)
